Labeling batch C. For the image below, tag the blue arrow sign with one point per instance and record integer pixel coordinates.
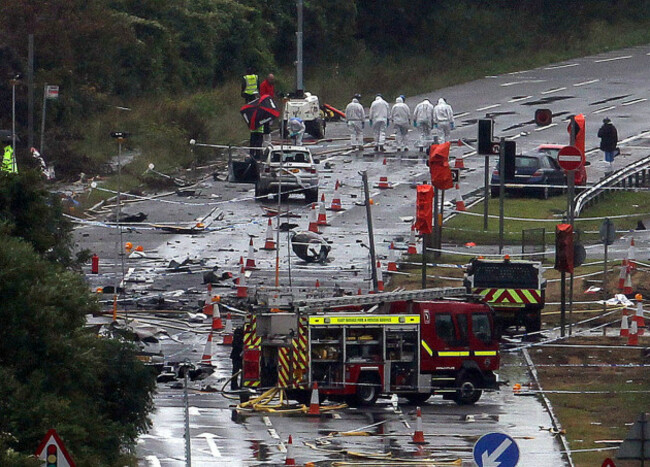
(496, 450)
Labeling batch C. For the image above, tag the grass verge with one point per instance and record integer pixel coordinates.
(589, 418)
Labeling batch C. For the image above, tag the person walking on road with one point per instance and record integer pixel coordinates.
(378, 117)
(423, 120)
(443, 118)
(355, 116)
(608, 141)
(400, 115)
(250, 84)
(267, 88)
(236, 356)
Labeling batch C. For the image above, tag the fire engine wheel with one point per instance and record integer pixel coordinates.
(467, 392)
(367, 391)
(417, 398)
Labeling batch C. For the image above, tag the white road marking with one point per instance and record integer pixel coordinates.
(635, 101)
(274, 434)
(551, 91)
(267, 422)
(517, 99)
(488, 107)
(604, 109)
(557, 67)
(623, 57)
(461, 115)
(209, 438)
(546, 127)
(584, 83)
(194, 411)
(525, 81)
(153, 461)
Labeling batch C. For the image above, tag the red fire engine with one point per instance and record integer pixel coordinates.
(411, 343)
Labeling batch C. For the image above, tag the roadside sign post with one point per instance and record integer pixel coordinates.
(50, 91)
(496, 450)
(371, 235)
(486, 192)
(607, 236)
(502, 188)
(570, 158)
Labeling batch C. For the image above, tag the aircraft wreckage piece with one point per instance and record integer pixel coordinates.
(310, 246)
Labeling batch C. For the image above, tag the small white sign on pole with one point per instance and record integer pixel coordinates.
(51, 92)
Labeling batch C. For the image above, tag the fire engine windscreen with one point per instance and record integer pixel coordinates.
(310, 246)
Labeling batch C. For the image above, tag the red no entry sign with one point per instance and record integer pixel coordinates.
(570, 158)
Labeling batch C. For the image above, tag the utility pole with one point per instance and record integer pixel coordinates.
(30, 91)
(371, 235)
(299, 77)
(14, 82)
(571, 198)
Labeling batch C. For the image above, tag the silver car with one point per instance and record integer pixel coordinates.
(291, 169)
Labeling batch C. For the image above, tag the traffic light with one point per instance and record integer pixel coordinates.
(485, 132)
(564, 248)
(51, 456)
(510, 156)
(424, 209)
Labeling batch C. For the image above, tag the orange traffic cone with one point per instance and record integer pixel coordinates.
(459, 162)
(206, 358)
(217, 323)
(418, 436)
(289, 460)
(250, 259)
(322, 212)
(269, 243)
(313, 222)
(336, 199)
(631, 254)
(392, 265)
(359, 291)
(383, 180)
(207, 302)
(621, 276)
(627, 286)
(314, 403)
(317, 284)
(460, 204)
(227, 333)
(638, 317)
(625, 327)
(633, 338)
(459, 143)
(380, 278)
(242, 290)
(412, 249)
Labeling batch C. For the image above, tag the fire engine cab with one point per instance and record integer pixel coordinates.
(412, 343)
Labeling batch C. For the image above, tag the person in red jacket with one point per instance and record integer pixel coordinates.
(268, 88)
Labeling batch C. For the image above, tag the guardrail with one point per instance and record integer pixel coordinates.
(634, 175)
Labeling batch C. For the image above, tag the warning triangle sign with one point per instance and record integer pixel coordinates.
(53, 452)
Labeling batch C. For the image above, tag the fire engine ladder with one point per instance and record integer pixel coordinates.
(312, 304)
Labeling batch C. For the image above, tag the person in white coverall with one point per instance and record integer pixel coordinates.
(443, 118)
(355, 116)
(378, 117)
(423, 120)
(400, 115)
(296, 130)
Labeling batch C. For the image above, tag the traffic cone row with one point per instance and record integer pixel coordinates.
(638, 317)
(227, 333)
(627, 285)
(269, 242)
(633, 338)
(242, 289)
(250, 259)
(314, 402)
(460, 204)
(313, 221)
(206, 358)
(289, 459)
(383, 180)
(459, 162)
(392, 264)
(217, 323)
(380, 278)
(412, 248)
(418, 436)
(207, 302)
(622, 275)
(631, 255)
(336, 199)
(322, 212)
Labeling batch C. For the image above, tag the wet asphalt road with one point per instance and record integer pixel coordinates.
(612, 85)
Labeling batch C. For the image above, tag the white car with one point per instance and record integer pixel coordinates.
(291, 169)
